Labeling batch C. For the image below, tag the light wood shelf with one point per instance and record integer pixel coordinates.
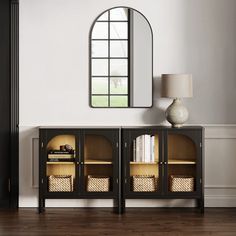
(170, 162)
(60, 162)
(143, 163)
(181, 162)
(61, 156)
(97, 162)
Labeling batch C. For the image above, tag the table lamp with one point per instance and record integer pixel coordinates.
(176, 86)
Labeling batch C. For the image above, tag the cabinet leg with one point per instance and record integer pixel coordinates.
(201, 205)
(41, 207)
(119, 206)
(122, 207)
(43, 204)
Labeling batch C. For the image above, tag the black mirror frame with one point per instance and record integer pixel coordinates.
(90, 58)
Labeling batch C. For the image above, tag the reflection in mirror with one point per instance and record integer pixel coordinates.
(121, 60)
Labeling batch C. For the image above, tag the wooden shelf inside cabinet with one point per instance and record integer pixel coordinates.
(143, 163)
(97, 162)
(60, 156)
(181, 162)
(60, 162)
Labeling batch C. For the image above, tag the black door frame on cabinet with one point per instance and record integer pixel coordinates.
(195, 133)
(111, 135)
(9, 74)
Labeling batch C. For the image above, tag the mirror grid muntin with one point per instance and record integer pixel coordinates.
(116, 67)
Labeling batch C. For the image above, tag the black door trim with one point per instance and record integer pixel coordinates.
(14, 84)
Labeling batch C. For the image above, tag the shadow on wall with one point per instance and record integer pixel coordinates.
(156, 114)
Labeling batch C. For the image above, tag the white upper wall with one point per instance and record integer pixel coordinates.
(190, 36)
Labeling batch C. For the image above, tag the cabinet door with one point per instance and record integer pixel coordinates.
(142, 163)
(58, 162)
(100, 159)
(183, 162)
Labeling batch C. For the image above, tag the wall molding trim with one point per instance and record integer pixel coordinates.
(34, 162)
(220, 187)
(220, 201)
(220, 131)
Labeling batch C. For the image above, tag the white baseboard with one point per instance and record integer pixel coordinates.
(210, 201)
(220, 201)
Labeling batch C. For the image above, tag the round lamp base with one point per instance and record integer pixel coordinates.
(177, 113)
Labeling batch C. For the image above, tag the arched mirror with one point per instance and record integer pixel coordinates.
(121, 59)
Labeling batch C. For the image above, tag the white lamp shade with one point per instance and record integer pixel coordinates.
(176, 85)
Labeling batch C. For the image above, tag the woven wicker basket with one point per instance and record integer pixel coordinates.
(98, 183)
(60, 183)
(144, 183)
(181, 183)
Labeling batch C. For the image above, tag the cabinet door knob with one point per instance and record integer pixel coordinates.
(165, 162)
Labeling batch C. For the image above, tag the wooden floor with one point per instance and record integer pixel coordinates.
(138, 221)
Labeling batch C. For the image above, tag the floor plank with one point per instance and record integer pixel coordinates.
(102, 221)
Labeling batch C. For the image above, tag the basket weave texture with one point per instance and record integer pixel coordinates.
(181, 183)
(144, 183)
(60, 183)
(98, 183)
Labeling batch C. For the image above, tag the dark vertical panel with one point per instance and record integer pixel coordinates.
(9, 103)
(4, 101)
(14, 105)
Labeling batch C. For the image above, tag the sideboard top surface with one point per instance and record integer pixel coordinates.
(186, 127)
